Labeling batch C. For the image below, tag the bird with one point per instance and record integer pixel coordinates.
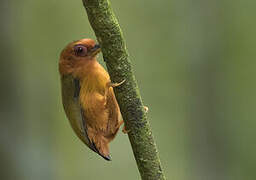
(88, 97)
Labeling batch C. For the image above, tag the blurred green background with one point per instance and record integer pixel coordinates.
(195, 65)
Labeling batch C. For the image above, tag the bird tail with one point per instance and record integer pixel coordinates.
(100, 144)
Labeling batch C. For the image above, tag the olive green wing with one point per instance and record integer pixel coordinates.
(73, 110)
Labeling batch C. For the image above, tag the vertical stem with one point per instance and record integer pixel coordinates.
(110, 37)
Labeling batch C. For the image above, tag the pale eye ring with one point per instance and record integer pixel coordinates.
(80, 50)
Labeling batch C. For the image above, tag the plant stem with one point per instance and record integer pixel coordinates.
(111, 40)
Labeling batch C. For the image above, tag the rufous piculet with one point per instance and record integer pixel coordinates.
(88, 97)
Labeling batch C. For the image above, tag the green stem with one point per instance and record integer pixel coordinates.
(110, 38)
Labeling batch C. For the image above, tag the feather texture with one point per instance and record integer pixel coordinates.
(88, 99)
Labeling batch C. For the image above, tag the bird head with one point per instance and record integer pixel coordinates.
(77, 54)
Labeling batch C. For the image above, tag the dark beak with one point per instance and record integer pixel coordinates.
(95, 50)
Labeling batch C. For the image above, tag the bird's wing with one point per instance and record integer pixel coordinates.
(73, 110)
(97, 143)
(82, 120)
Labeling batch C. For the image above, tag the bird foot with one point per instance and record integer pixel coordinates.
(125, 131)
(116, 84)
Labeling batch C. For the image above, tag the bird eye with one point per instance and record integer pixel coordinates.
(80, 50)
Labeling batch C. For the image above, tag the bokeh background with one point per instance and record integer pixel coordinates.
(195, 66)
